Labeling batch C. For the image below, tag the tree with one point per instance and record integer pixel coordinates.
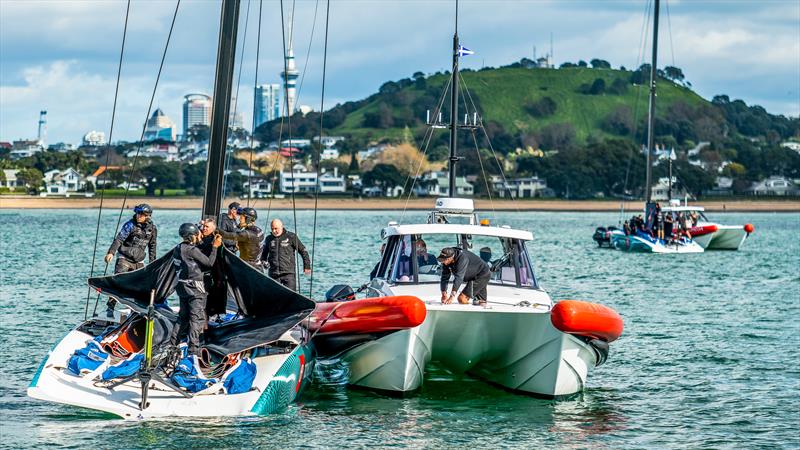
(557, 136)
(673, 73)
(618, 87)
(620, 121)
(30, 177)
(193, 178)
(161, 175)
(383, 175)
(543, 107)
(598, 87)
(198, 133)
(353, 167)
(405, 157)
(600, 64)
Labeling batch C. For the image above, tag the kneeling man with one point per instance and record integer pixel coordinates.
(465, 267)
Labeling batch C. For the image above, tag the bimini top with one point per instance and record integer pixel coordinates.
(452, 228)
(682, 208)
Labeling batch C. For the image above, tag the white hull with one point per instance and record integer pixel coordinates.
(515, 347)
(276, 384)
(727, 237)
(640, 245)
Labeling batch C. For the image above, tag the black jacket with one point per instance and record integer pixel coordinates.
(279, 253)
(231, 226)
(249, 240)
(191, 262)
(467, 266)
(132, 240)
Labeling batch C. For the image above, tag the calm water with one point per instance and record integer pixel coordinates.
(708, 357)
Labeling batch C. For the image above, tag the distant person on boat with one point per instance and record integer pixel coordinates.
(137, 236)
(230, 223)
(465, 267)
(279, 255)
(695, 218)
(248, 237)
(191, 262)
(627, 227)
(486, 255)
(423, 257)
(374, 272)
(668, 226)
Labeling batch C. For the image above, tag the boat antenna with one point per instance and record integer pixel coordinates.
(223, 86)
(454, 113)
(651, 113)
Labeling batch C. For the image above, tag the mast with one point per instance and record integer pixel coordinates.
(220, 109)
(454, 113)
(651, 112)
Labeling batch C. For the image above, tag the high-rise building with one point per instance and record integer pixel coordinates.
(159, 126)
(266, 103)
(290, 75)
(196, 111)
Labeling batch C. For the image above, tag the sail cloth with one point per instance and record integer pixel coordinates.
(268, 309)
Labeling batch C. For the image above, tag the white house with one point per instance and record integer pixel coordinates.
(774, 185)
(332, 183)
(300, 180)
(63, 182)
(791, 145)
(25, 149)
(329, 153)
(10, 179)
(437, 184)
(258, 187)
(660, 190)
(523, 187)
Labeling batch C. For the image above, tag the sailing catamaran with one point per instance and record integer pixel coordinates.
(643, 236)
(521, 340)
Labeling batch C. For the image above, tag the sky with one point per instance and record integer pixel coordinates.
(63, 55)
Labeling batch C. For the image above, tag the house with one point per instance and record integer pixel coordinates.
(168, 152)
(437, 184)
(299, 143)
(524, 187)
(791, 145)
(774, 185)
(332, 183)
(328, 141)
(258, 187)
(10, 180)
(722, 186)
(102, 176)
(301, 180)
(329, 153)
(63, 182)
(660, 190)
(25, 148)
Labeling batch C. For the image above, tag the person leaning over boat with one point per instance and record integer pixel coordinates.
(279, 255)
(137, 236)
(190, 263)
(230, 223)
(248, 237)
(465, 267)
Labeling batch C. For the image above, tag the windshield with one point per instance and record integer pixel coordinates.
(412, 258)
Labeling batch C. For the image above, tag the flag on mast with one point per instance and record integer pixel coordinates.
(464, 51)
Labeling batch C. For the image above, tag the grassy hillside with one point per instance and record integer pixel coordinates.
(504, 95)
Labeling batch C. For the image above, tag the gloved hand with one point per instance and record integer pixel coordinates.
(108, 258)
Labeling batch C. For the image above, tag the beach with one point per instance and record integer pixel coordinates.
(333, 203)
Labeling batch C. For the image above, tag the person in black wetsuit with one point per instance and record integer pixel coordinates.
(230, 223)
(248, 237)
(190, 263)
(465, 267)
(136, 237)
(279, 254)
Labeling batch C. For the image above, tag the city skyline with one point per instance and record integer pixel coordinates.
(747, 50)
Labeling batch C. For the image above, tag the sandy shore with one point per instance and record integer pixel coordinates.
(25, 202)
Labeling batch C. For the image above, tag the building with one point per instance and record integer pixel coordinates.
(25, 148)
(290, 75)
(196, 111)
(258, 187)
(660, 190)
(10, 179)
(329, 141)
(329, 153)
(296, 143)
(523, 187)
(437, 184)
(266, 103)
(159, 126)
(63, 182)
(791, 145)
(168, 152)
(300, 180)
(94, 138)
(774, 186)
(62, 147)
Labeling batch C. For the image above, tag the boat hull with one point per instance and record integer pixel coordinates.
(513, 347)
(728, 237)
(279, 379)
(638, 244)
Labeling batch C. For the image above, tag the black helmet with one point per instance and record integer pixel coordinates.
(143, 208)
(249, 214)
(187, 230)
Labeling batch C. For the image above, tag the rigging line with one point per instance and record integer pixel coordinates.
(489, 141)
(429, 136)
(144, 127)
(485, 180)
(104, 175)
(308, 51)
(321, 115)
(229, 153)
(253, 127)
(669, 27)
(289, 119)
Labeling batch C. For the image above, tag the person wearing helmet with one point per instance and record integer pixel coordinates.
(190, 263)
(279, 253)
(137, 236)
(248, 237)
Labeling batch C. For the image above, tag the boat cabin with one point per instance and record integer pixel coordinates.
(409, 255)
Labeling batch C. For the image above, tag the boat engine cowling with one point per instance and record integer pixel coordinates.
(340, 293)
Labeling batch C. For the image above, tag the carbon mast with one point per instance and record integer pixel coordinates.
(454, 114)
(651, 111)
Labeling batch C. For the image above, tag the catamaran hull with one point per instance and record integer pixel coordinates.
(520, 351)
(637, 244)
(278, 381)
(727, 237)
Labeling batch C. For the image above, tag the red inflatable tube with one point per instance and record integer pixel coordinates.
(705, 229)
(587, 319)
(368, 315)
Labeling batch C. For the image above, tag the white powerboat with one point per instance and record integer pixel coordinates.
(711, 235)
(514, 342)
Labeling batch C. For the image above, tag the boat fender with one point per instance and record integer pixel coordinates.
(586, 319)
(749, 228)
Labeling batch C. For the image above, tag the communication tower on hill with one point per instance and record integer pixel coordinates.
(41, 135)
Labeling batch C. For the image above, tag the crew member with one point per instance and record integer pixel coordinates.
(230, 223)
(190, 263)
(423, 257)
(137, 236)
(279, 255)
(248, 237)
(466, 267)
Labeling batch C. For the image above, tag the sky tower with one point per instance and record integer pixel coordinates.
(290, 75)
